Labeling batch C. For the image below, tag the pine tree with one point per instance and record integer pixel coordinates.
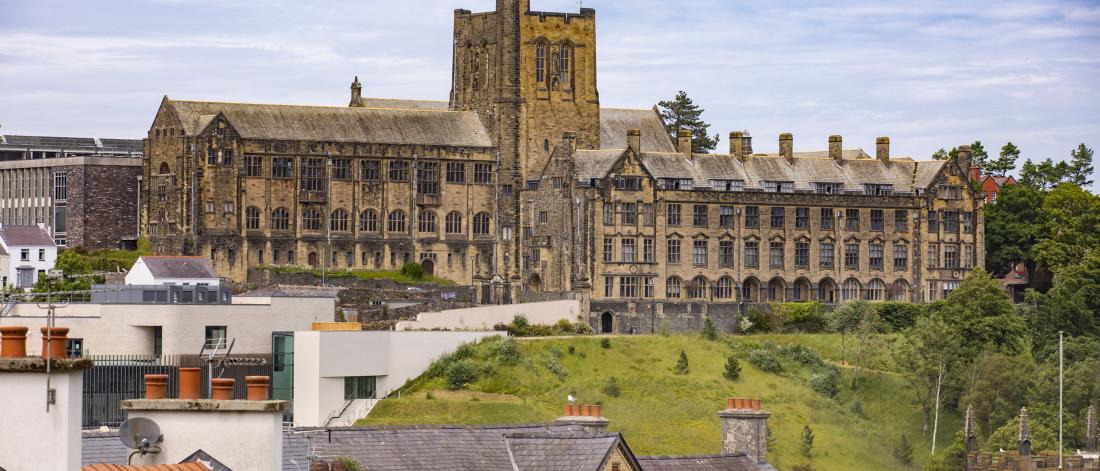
(1006, 161)
(681, 367)
(682, 113)
(940, 154)
(807, 441)
(1081, 165)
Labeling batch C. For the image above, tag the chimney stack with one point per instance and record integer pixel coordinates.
(683, 142)
(882, 149)
(737, 144)
(964, 157)
(634, 140)
(745, 429)
(786, 147)
(569, 142)
(589, 416)
(836, 147)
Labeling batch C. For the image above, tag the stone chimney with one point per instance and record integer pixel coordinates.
(634, 140)
(965, 158)
(745, 429)
(786, 147)
(588, 416)
(683, 142)
(836, 147)
(747, 146)
(882, 149)
(356, 94)
(737, 144)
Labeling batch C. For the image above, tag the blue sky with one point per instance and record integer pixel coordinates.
(928, 74)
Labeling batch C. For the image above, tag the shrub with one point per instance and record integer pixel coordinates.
(807, 441)
(745, 325)
(605, 343)
(461, 373)
(582, 328)
(553, 363)
(903, 451)
(709, 331)
(898, 316)
(826, 380)
(349, 463)
(413, 270)
(681, 367)
(439, 367)
(564, 326)
(857, 408)
(801, 354)
(801, 317)
(611, 388)
(571, 349)
(765, 360)
(519, 322)
(506, 351)
(733, 368)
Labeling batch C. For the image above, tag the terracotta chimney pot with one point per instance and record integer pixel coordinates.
(56, 347)
(597, 410)
(14, 341)
(756, 404)
(729, 403)
(222, 389)
(257, 387)
(189, 383)
(156, 386)
(568, 410)
(739, 403)
(586, 410)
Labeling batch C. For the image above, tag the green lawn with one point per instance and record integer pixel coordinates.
(662, 413)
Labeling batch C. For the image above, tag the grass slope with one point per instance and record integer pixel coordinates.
(662, 413)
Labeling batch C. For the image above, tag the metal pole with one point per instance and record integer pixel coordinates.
(1061, 384)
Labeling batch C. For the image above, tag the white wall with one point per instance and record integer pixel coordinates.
(485, 317)
(127, 329)
(323, 359)
(139, 274)
(30, 437)
(14, 262)
(239, 440)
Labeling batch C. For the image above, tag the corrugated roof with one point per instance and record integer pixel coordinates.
(734, 462)
(614, 122)
(74, 144)
(26, 236)
(179, 267)
(338, 124)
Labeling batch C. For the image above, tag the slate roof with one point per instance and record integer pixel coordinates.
(400, 104)
(614, 122)
(25, 236)
(102, 447)
(735, 462)
(561, 453)
(159, 467)
(179, 267)
(337, 124)
(73, 144)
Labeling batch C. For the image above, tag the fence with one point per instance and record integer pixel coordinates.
(114, 378)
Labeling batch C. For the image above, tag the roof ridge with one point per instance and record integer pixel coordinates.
(335, 107)
(736, 454)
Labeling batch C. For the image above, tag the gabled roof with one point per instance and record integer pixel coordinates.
(179, 267)
(734, 462)
(561, 453)
(614, 122)
(339, 124)
(26, 236)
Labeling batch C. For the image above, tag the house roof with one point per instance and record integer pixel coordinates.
(179, 267)
(400, 104)
(157, 467)
(734, 462)
(26, 236)
(614, 122)
(104, 447)
(73, 144)
(550, 452)
(2, 251)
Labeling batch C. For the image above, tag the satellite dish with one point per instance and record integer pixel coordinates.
(140, 433)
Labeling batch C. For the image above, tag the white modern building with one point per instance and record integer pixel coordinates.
(155, 270)
(25, 252)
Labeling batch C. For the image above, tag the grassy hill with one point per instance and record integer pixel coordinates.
(663, 413)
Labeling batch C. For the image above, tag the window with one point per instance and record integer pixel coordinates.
(725, 253)
(802, 254)
(851, 255)
(609, 214)
(948, 287)
(699, 253)
(628, 287)
(311, 220)
(850, 289)
(630, 213)
(675, 183)
(775, 254)
(280, 219)
(968, 222)
(647, 287)
(968, 256)
(827, 254)
(227, 157)
(672, 217)
(828, 188)
(427, 178)
(827, 221)
(779, 216)
(672, 288)
(778, 187)
(540, 62)
(368, 221)
(608, 286)
(699, 215)
(215, 336)
(483, 173)
(648, 254)
(950, 192)
(878, 190)
(752, 254)
(544, 217)
(901, 257)
(211, 157)
(313, 175)
(282, 167)
(802, 218)
(456, 172)
(878, 220)
(648, 218)
(951, 256)
(608, 249)
(933, 255)
(396, 223)
(697, 289)
(341, 169)
(454, 222)
(209, 206)
(629, 250)
(41, 255)
(933, 223)
(426, 223)
(851, 219)
(899, 291)
(673, 251)
(566, 57)
(61, 186)
(370, 170)
(399, 171)
(724, 288)
(481, 224)
(228, 207)
(951, 222)
(725, 216)
(752, 217)
(901, 220)
(875, 255)
(253, 166)
(359, 387)
(74, 348)
(727, 185)
(252, 218)
(876, 290)
(629, 183)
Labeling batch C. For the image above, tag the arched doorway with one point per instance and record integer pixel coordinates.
(429, 267)
(801, 291)
(314, 260)
(777, 290)
(826, 291)
(607, 323)
(534, 283)
(750, 290)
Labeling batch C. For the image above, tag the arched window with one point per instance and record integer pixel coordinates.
(311, 220)
(540, 62)
(566, 58)
(899, 291)
(426, 223)
(252, 218)
(481, 224)
(165, 169)
(280, 219)
(724, 288)
(454, 222)
(697, 289)
(672, 287)
(396, 222)
(339, 220)
(876, 290)
(368, 221)
(850, 290)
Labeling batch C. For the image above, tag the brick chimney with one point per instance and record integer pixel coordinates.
(786, 147)
(588, 416)
(882, 149)
(634, 140)
(836, 147)
(683, 142)
(745, 429)
(975, 173)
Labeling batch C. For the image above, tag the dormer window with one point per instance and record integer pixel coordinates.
(676, 184)
(950, 192)
(828, 188)
(878, 189)
(629, 183)
(778, 186)
(727, 185)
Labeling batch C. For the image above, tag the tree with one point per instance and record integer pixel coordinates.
(978, 157)
(903, 451)
(927, 354)
(1006, 161)
(709, 331)
(733, 368)
(1073, 228)
(807, 440)
(861, 318)
(681, 367)
(984, 317)
(998, 387)
(1080, 165)
(1012, 226)
(1045, 175)
(682, 113)
(942, 154)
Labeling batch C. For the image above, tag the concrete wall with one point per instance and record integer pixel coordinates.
(30, 437)
(485, 317)
(246, 440)
(323, 359)
(127, 329)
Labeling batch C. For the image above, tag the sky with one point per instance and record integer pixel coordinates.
(930, 74)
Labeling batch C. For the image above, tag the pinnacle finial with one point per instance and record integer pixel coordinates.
(969, 425)
(1090, 430)
(1025, 433)
(356, 93)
